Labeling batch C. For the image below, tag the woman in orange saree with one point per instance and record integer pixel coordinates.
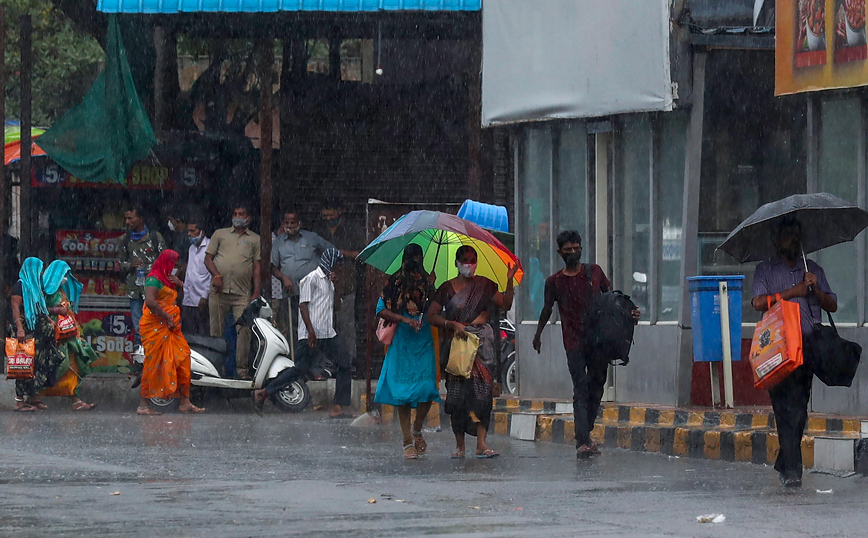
(166, 372)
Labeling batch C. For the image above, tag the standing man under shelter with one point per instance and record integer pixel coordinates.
(316, 334)
(294, 255)
(349, 238)
(137, 250)
(195, 315)
(233, 259)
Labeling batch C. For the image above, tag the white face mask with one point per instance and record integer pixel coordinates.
(467, 270)
(171, 225)
(63, 281)
(238, 222)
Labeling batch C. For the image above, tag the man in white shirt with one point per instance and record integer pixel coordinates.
(197, 281)
(316, 333)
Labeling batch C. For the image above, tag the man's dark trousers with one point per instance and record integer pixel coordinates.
(306, 359)
(790, 403)
(588, 372)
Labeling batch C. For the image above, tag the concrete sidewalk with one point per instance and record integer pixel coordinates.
(831, 442)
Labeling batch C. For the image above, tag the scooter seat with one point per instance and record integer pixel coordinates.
(210, 343)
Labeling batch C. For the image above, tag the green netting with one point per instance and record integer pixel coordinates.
(101, 138)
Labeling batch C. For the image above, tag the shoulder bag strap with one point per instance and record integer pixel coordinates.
(589, 275)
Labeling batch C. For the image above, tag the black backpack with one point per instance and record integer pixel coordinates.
(610, 323)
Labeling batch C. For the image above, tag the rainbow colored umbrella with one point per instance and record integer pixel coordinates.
(440, 235)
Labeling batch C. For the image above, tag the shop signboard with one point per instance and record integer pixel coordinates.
(47, 173)
(820, 44)
(111, 336)
(93, 257)
(86, 244)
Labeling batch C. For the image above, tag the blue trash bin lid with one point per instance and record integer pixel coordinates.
(710, 282)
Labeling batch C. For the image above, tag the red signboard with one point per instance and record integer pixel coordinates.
(87, 244)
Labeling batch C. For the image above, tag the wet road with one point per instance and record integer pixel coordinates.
(235, 474)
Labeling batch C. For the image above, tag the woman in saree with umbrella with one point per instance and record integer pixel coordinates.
(463, 306)
(62, 292)
(166, 372)
(780, 233)
(475, 266)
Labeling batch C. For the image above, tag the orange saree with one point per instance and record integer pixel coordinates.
(166, 372)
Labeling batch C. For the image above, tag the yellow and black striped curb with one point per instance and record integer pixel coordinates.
(756, 446)
(638, 414)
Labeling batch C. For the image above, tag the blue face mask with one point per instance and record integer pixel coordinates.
(333, 222)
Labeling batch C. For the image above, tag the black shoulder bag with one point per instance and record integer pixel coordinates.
(609, 322)
(833, 358)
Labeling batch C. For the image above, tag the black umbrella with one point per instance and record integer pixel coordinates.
(826, 220)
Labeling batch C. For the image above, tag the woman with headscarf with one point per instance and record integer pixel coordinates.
(463, 305)
(409, 379)
(62, 292)
(166, 372)
(34, 323)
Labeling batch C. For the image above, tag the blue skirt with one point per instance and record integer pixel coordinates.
(409, 373)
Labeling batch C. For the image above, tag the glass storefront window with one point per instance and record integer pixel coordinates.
(839, 154)
(572, 180)
(535, 238)
(633, 210)
(670, 207)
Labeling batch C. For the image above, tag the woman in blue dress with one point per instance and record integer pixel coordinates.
(408, 379)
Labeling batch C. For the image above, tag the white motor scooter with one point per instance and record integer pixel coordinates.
(208, 355)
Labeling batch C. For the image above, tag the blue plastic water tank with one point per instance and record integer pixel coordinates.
(705, 315)
(492, 217)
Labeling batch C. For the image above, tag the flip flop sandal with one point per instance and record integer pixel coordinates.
(410, 453)
(38, 405)
(488, 454)
(419, 442)
(25, 409)
(82, 406)
(147, 411)
(192, 410)
(457, 456)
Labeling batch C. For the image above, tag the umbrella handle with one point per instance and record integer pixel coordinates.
(437, 254)
(805, 259)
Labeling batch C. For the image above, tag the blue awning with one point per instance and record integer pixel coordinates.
(270, 6)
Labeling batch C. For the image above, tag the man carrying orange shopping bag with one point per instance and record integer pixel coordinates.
(784, 277)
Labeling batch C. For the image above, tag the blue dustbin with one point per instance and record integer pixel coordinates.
(705, 314)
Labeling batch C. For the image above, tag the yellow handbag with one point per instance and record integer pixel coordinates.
(462, 353)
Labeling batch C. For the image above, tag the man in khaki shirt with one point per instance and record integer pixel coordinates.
(233, 258)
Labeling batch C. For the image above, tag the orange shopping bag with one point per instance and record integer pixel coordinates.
(19, 358)
(776, 349)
